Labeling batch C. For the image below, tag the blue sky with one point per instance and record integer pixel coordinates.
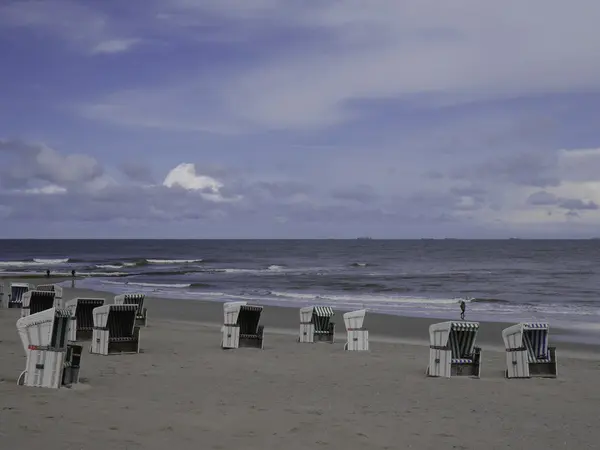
(273, 118)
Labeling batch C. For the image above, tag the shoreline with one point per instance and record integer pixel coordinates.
(391, 328)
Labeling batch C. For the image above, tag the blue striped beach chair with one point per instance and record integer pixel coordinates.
(452, 350)
(141, 318)
(51, 361)
(36, 301)
(115, 330)
(82, 318)
(316, 324)
(15, 298)
(357, 337)
(58, 293)
(241, 326)
(527, 351)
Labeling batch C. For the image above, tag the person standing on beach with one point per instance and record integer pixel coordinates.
(47, 273)
(463, 306)
(73, 278)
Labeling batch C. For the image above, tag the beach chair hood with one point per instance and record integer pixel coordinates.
(44, 329)
(354, 319)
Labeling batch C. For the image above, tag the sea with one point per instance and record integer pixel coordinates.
(500, 280)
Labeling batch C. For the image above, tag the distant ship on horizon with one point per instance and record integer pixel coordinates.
(364, 238)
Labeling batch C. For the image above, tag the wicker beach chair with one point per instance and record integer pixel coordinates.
(316, 324)
(241, 326)
(36, 301)
(51, 361)
(58, 293)
(527, 351)
(141, 317)
(357, 337)
(452, 350)
(114, 330)
(15, 298)
(82, 319)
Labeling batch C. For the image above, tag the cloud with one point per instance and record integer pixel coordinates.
(346, 56)
(114, 46)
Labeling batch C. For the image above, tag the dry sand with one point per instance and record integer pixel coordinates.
(183, 391)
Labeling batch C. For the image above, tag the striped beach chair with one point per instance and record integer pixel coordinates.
(452, 350)
(141, 317)
(357, 337)
(51, 361)
(527, 351)
(241, 326)
(114, 330)
(36, 301)
(58, 293)
(316, 324)
(15, 298)
(82, 319)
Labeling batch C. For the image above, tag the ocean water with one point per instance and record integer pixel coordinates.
(500, 280)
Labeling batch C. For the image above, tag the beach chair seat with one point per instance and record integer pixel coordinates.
(357, 337)
(82, 318)
(115, 330)
(51, 361)
(527, 351)
(141, 318)
(58, 293)
(316, 324)
(241, 326)
(452, 350)
(36, 301)
(15, 297)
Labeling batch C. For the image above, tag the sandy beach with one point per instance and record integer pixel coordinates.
(185, 392)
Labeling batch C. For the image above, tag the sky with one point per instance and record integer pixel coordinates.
(299, 119)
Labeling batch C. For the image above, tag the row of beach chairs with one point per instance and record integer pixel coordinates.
(51, 331)
(51, 335)
(452, 345)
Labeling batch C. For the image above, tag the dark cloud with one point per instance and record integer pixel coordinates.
(137, 171)
(30, 163)
(361, 194)
(543, 198)
(536, 169)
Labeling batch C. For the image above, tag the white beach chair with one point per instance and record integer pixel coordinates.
(316, 324)
(15, 297)
(51, 361)
(58, 293)
(114, 330)
(452, 350)
(82, 319)
(357, 337)
(527, 351)
(135, 299)
(241, 326)
(36, 301)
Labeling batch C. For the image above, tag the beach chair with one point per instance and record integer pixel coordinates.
(452, 350)
(357, 337)
(316, 324)
(527, 351)
(114, 330)
(51, 361)
(241, 326)
(82, 319)
(58, 293)
(135, 299)
(15, 298)
(36, 301)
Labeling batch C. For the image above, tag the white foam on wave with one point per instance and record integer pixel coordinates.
(149, 285)
(108, 266)
(34, 262)
(173, 261)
